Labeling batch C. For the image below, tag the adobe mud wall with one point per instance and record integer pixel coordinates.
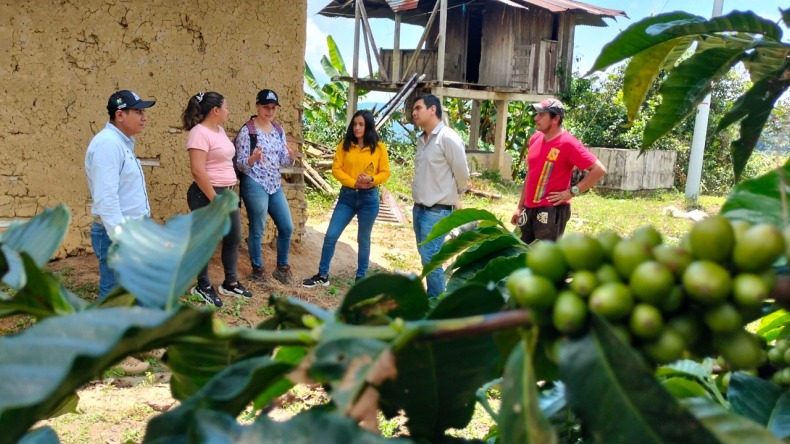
(61, 60)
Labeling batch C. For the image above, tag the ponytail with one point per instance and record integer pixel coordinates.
(199, 106)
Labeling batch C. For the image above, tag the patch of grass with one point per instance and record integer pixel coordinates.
(266, 311)
(624, 212)
(318, 203)
(85, 290)
(233, 308)
(480, 424)
(113, 373)
(397, 261)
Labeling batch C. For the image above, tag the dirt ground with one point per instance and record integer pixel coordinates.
(117, 408)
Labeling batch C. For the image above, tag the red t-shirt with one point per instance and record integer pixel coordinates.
(550, 166)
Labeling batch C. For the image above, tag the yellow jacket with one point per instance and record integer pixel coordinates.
(350, 164)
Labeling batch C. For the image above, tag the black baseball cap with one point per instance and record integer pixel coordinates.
(267, 96)
(550, 105)
(125, 99)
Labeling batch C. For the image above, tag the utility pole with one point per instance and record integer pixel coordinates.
(694, 174)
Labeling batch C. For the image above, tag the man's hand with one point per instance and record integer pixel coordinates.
(559, 197)
(514, 218)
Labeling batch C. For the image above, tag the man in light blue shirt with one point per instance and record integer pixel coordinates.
(115, 177)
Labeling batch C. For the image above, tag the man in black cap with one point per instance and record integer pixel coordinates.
(544, 207)
(115, 176)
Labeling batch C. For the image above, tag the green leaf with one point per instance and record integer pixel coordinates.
(683, 44)
(40, 236)
(758, 200)
(464, 240)
(15, 276)
(310, 80)
(157, 263)
(763, 62)
(67, 405)
(737, 21)
(683, 388)
(335, 56)
(496, 245)
(230, 391)
(43, 294)
(756, 104)
(635, 39)
(728, 428)
(642, 71)
(492, 268)
(47, 362)
(786, 17)
(604, 378)
(700, 374)
(520, 418)
(41, 435)
(292, 355)
(685, 88)
(194, 362)
(777, 319)
(289, 312)
(383, 296)
(437, 380)
(761, 401)
(333, 360)
(331, 72)
(458, 218)
(312, 426)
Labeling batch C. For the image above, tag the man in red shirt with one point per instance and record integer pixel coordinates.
(544, 207)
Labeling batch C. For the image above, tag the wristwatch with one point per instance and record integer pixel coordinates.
(575, 191)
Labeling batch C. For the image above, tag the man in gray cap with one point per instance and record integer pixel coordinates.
(544, 207)
(115, 177)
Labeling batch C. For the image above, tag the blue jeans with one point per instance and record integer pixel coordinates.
(260, 203)
(100, 241)
(363, 203)
(423, 221)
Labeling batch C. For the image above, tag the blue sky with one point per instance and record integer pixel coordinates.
(588, 42)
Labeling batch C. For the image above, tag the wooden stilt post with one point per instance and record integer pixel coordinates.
(396, 51)
(474, 127)
(351, 106)
(442, 42)
(500, 137)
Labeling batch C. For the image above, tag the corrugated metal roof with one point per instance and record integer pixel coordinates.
(416, 12)
(568, 5)
(402, 5)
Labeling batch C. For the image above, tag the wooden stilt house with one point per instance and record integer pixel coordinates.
(498, 50)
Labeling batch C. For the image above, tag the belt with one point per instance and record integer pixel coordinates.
(359, 190)
(437, 207)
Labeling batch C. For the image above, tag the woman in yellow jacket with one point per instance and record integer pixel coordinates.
(360, 165)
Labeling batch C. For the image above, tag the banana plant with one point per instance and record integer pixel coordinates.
(653, 47)
(330, 100)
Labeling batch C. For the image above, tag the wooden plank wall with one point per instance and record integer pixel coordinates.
(499, 35)
(455, 47)
(426, 62)
(627, 170)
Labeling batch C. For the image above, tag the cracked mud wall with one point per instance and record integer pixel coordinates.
(61, 60)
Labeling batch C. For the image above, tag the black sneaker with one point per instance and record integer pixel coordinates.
(237, 290)
(208, 295)
(316, 281)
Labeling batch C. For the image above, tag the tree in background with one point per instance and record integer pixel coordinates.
(653, 47)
